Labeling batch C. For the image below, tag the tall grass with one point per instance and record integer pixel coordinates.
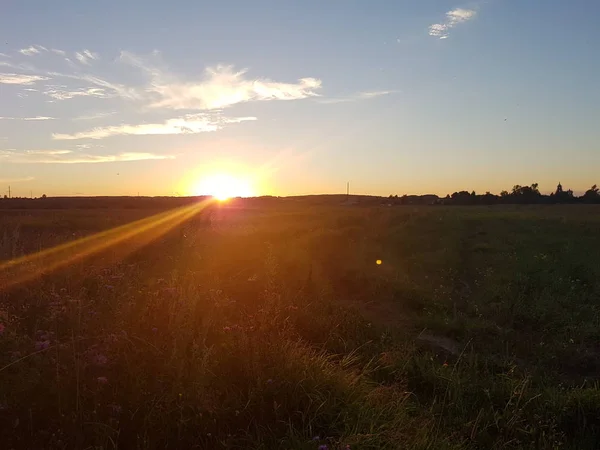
(279, 330)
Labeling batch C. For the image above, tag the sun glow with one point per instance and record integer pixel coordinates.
(223, 187)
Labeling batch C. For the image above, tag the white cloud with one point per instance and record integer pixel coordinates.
(16, 78)
(86, 57)
(220, 87)
(120, 90)
(367, 95)
(28, 118)
(453, 18)
(30, 51)
(62, 94)
(58, 52)
(16, 180)
(4, 55)
(48, 152)
(374, 94)
(189, 124)
(69, 157)
(94, 116)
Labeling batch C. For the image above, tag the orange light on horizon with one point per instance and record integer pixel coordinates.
(223, 187)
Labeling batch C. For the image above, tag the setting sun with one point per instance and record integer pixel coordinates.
(223, 187)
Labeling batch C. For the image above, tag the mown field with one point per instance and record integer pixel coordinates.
(293, 326)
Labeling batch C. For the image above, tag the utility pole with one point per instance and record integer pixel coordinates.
(9, 191)
(348, 189)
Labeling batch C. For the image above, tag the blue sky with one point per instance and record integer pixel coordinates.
(427, 96)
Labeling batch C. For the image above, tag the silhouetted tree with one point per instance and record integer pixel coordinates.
(592, 195)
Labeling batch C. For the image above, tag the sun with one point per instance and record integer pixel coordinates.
(223, 187)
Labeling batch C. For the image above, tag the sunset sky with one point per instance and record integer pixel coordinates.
(298, 97)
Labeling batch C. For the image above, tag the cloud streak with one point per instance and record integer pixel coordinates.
(367, 95)
(28, 118)
(189, 124)
(453, 18)
(220, 87)
(16, 180)
(70, 157)
(58, 93)
(16, 78)
(32, 50)
(86, 57)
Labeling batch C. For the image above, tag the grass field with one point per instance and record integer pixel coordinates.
(276, 327)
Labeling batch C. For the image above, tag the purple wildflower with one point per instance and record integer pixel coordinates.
(154, 330)
(323, 447)
(102, 380)
(269, 381)
(316, 438)
(42, 345)
(99, 359)
(109, 287)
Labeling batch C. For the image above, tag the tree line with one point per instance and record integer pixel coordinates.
(518, 195)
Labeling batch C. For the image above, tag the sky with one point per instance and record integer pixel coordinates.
(298, 97)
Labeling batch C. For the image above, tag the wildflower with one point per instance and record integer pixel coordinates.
(445, 364)
(171, 292)
(115, 409)
(99, 359)
(42, 345)
(102, 380)
(154, 330)
(323, 447)
(269, 381)
(316, 438)
(109, 287)
(1, 328)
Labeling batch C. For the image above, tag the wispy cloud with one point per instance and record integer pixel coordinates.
(453, 18)
(16, 180)
(58, 52)
(220, 87)
(59, 93)
(4, 55)
(70, 157)
(189, 124)
(28, 118)
(367, 95)
(94, 116)
(32, 50)
(86, 57)
(17, 78)
(113, 89)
